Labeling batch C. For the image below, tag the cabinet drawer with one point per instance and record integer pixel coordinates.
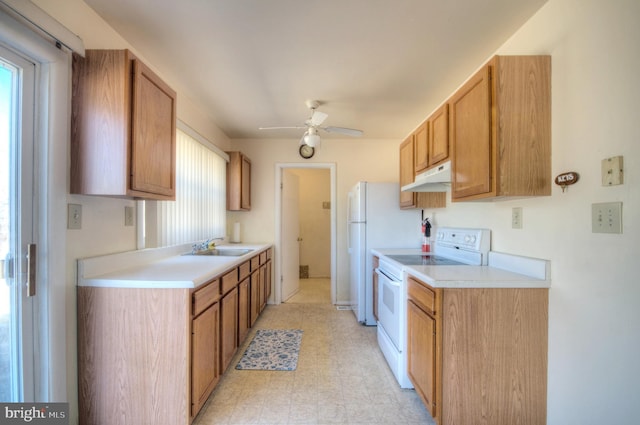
(204, 297)
(244, 270)
(255, 263)
(422, 295)
(229, 280)
(263, 257)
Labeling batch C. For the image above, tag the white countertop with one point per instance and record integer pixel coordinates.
(503, 271)
(159, 268)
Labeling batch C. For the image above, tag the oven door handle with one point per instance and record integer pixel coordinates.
(392, 281)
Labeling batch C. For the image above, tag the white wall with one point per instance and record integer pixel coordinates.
(355, 159)
(594, 319)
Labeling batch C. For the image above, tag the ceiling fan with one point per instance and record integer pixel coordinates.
(314, 123)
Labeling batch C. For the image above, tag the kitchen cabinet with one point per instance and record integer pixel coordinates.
(229, 320)
(205, 344)
(479, 354)
(244, 306)
(423, 342)
(501, 130)
(264, 278)
(123, 128)
(154, 355)
(254, 294)
(421, 141)
(431, 140)
(410, 200)
(238, 182)
(439, 136)
(133, 355)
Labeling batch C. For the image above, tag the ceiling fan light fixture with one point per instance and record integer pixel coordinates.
(312, 140)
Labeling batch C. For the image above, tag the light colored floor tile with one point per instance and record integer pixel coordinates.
(342, 377)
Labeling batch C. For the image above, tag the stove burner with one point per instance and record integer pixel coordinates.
(424, 260)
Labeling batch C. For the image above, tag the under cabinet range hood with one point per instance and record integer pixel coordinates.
(436, 179)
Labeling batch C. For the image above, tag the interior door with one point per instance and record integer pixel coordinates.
(290, 235)
(17, 218)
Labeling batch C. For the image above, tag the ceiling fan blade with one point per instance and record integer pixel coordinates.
(318, 117)
(347, 131)
(280, 128)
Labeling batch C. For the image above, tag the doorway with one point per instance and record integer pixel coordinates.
(305, 259)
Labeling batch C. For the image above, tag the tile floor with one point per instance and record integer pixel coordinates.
(342, 377)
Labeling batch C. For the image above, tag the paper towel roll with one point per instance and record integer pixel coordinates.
(236, 232)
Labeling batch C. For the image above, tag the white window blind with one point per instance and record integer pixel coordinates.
(199, 211)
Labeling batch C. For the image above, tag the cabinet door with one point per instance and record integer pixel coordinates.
(245, 186)
(439, 135)
(254, 302)
(238, 182)
(421, 354)
(262, 273)
(407, 173)
(267, 278)
(153, 130)
(421, 146)
(470, 109)
(204, 356)
(228, 328)
(243, 310)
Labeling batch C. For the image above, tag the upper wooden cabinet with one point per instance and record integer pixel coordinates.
(407, 173)
(123, 132)
(432, 140)
(501, 130)
(439, 135)
(238, 182)
(421, 142)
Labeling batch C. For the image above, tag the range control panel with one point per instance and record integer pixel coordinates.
(476, 240)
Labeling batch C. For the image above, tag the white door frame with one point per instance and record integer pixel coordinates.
(278, 217)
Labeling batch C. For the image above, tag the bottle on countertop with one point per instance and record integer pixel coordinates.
(426, 235)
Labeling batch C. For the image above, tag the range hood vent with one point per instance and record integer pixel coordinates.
(437, 179)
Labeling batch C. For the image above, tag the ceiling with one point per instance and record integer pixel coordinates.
(380, 66)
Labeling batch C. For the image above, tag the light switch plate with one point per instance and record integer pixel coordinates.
(516, 218)
(74, 216)
(128, 216)
(606, 217)
(612, 171)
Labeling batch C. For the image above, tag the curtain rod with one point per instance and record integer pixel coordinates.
(40, 21)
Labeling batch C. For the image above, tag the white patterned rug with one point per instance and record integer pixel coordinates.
(272, 349)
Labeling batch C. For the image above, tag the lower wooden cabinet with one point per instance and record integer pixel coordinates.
(228, 328)
(244, 306)
(205, 352)
(155, 355)
(479, 355)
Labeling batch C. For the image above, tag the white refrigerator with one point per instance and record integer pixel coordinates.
(375, 220)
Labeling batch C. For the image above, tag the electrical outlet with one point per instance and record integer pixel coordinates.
(128, 216)
(74, 216)
(606, 217)
(516, 218)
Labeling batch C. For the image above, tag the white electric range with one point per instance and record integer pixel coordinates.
(453, 247)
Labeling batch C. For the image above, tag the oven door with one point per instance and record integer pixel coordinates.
(389, 306)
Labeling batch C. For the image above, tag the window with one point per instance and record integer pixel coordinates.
(199, 211)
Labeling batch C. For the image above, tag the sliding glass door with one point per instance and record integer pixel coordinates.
(17, 218)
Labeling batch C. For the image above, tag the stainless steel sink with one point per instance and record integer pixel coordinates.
(223, 252)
